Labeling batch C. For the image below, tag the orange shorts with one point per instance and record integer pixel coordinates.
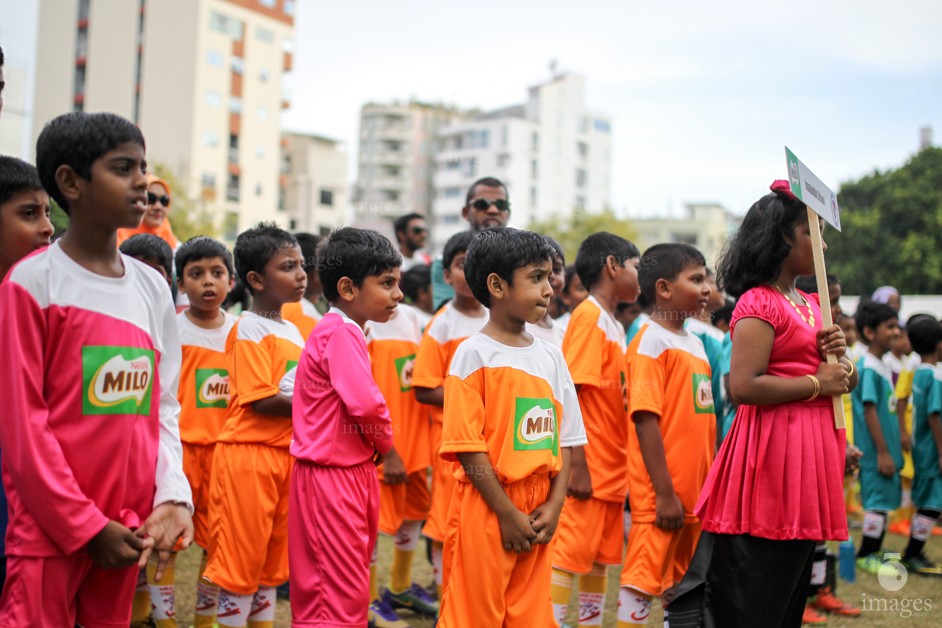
(198, 467)
(486, 585)
(404, 502)
(443, 484)
(248, 517)
(658, 558)
(590, 531)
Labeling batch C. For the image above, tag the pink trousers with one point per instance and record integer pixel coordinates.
(333, 520)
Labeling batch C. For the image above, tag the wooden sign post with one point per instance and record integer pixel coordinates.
(821, 202)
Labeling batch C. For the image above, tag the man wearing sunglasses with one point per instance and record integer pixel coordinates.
(411, 233)
(486, 206)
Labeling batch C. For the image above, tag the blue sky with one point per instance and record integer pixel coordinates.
(703, 98)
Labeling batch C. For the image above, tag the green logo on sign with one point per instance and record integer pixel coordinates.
(702, 394)
(117, 380)
(212, 388)
(535, 425)
(404, 366)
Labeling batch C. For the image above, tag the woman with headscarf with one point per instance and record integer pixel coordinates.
(155, 220)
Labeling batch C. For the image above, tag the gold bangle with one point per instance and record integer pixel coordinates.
(817, 387)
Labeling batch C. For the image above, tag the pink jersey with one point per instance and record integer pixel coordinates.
(340, 417)
(88, 382)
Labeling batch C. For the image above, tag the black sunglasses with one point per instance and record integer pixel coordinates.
(419, 230)
(483, 204)
(153, 198)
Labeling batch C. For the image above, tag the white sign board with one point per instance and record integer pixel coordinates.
(811, 191)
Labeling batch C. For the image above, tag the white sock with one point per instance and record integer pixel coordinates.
(922, 527)
(263, 605)
(437, 563)
(207, 598)
(233, 609)
(407, 538)
(873, 523)
(633, 607)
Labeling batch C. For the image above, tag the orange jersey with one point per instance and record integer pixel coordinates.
(204, 381)
(262, 356)
(594, 346)
(516, 404)
(670, 376)
(448, 329)
(392, 347)
(303, 314)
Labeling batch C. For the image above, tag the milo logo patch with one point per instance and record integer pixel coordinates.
(117, 380)
(702, 394)
(212, 388)
(404, 368)
(535, 425)
(891, 401)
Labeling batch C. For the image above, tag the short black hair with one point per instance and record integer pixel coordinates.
(925, 335)
(488, 182)
(77, 140)
(570, 275)
(417, 278)
(809, 283)
(255, 247)
(456, 244)
(144, 246)
(402, 222)
(725, 313)
(502, 250)
(666, 261)
(872, 314)
(354, 253)
(308, 243)
(558, 248)
(17, 176)
(594, 250)
(199, 248)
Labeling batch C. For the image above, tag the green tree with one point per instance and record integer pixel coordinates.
(188, 217)
(571, 230)
(891, 229)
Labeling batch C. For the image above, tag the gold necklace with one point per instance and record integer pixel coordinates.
(794, 305)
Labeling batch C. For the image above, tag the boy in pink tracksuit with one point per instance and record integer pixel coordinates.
(341, 430)
(92, 461)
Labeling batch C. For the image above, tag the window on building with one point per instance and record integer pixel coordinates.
(484, 138)
(533, 195)
(535, 141)
(264, 75)
(684, 238)
(583, 149)
(327, 197)
(285, 163)
(471, 167)
(268, 3)
(580, 203)
(212, 99)
(288, 7)
(450, 219)
(232, 188)
(214, 58)
(292, 224)
(230, 226)
(282, 194)
(81, 44)
(534, 169)
(238, 66)
(451, 192)
(208, 186)
(580, 178)
(264, 34)
(258, 189)
(601, 126)
(80, 80)
(235, 104)
(233, 149)
(503, 135)
(210, 139)
(229, 26)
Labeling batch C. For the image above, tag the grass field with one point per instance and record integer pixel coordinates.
(881, 608)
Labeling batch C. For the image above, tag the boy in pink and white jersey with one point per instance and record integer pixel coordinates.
(341, 430)
(92, 461)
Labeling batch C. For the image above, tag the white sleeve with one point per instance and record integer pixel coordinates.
(171, 483)
(572, 429)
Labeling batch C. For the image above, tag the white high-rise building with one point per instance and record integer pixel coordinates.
(202, 78)
(314, 184)
(552, 153)
(397, 161)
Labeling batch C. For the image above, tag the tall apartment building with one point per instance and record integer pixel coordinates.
(313, 184)
(202, 78)
(552, 152)
(397, 160)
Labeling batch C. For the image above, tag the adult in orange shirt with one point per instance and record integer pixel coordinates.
(155, 221)
(670, 449)
(592, 524)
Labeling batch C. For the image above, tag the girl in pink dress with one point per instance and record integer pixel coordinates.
(776, 486)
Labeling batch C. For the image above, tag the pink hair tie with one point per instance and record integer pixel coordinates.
(782, 188)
